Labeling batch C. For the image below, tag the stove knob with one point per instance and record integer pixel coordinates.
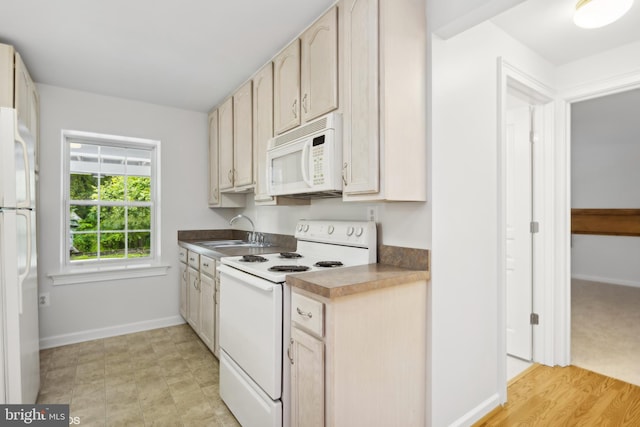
(359, 231)
(299, 227)
(330, 229)
(349, 231)
(306, 228)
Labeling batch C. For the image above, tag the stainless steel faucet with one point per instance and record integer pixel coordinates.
(252, 235)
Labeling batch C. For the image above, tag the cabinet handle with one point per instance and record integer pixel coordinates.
(344, 173)
(215, 194)
(230, 175)
(294, 109)
(206, 264)
(304, 103)
(303, 313)
(195, 284)
(290, 351)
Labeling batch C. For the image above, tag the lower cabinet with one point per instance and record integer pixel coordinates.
(198, 295)
(359, 360)
(207, 301)
(307, 379)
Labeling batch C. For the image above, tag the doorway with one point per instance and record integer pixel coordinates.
(527, 137)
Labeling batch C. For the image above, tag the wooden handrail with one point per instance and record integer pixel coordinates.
(608, 222)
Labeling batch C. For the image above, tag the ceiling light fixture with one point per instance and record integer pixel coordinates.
(598, 13)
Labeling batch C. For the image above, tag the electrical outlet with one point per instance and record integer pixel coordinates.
(43, 300)
(372, 213)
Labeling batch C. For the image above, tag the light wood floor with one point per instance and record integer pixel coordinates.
(570, 396)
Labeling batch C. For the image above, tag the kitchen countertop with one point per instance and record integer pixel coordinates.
(353, 280)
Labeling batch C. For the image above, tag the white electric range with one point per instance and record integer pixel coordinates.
(255, 320)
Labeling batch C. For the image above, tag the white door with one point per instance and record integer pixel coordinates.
(518, 232)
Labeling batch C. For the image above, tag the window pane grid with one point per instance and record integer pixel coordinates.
(110, 189)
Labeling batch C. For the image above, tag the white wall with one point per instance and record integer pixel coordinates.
(77, 311)
(464, 309)
(605, 145)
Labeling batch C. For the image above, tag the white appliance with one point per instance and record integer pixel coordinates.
(255, 321)
(307, 161)
(19, 340)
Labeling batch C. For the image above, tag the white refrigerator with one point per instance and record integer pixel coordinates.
(19, 340)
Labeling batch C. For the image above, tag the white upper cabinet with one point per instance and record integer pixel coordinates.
(287, 88)
(319, 67)
(384, 60)
(243, 137)
(225, 147)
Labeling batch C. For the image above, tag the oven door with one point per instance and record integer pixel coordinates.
(251, 327)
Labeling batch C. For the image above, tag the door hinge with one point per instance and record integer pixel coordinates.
(534, 319)
(534, 227)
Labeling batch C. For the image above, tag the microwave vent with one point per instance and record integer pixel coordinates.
(300, 132)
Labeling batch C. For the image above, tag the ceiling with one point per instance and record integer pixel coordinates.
(547, 27)
(188, 54)
(191, 54)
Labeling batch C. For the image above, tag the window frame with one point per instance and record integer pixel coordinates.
(109, 264)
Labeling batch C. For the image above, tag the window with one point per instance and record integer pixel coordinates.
(111, 202)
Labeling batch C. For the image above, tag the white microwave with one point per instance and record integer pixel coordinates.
(306, 161)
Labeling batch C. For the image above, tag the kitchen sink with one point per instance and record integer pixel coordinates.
(232, 244)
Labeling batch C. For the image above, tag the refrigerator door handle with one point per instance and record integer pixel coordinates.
(27, 171)
(27, 268)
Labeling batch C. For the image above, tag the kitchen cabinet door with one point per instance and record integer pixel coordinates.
(384, 98)
(216, 296)
(184, 290)
(307, 380)
(243, 137)
(286, 86)
(319, 67)
(214, 190)
(225, 145)
(262, 128)
(361, 119)
(207, 310)
(193, 308)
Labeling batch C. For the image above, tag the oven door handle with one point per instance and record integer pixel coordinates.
(246, 279)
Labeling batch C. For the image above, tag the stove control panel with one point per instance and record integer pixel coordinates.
(350, 233)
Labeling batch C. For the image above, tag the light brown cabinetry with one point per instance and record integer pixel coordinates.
(384, 105)
(319, 67)
(206, 329)
(286, 88)
(359, 360)
(17, 90)
(243, 138)
(306, 75)
(216, 198)
(225, 147)
(184, 281)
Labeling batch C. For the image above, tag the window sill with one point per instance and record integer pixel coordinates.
(80, 276)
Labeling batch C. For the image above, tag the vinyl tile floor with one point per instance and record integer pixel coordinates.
(161, 377)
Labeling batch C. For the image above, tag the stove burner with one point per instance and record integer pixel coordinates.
(252, 258)
(289, 268)
(290, 255)
(328, 264)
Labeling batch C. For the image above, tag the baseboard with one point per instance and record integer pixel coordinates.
(622, 282)
(112, 331)
(478, 412)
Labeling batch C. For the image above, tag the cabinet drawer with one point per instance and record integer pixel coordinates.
(194, 260)
(182, 254)
(207, 265)
(307, 313)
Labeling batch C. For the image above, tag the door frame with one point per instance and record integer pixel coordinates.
(562, 214)
(510, 76)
